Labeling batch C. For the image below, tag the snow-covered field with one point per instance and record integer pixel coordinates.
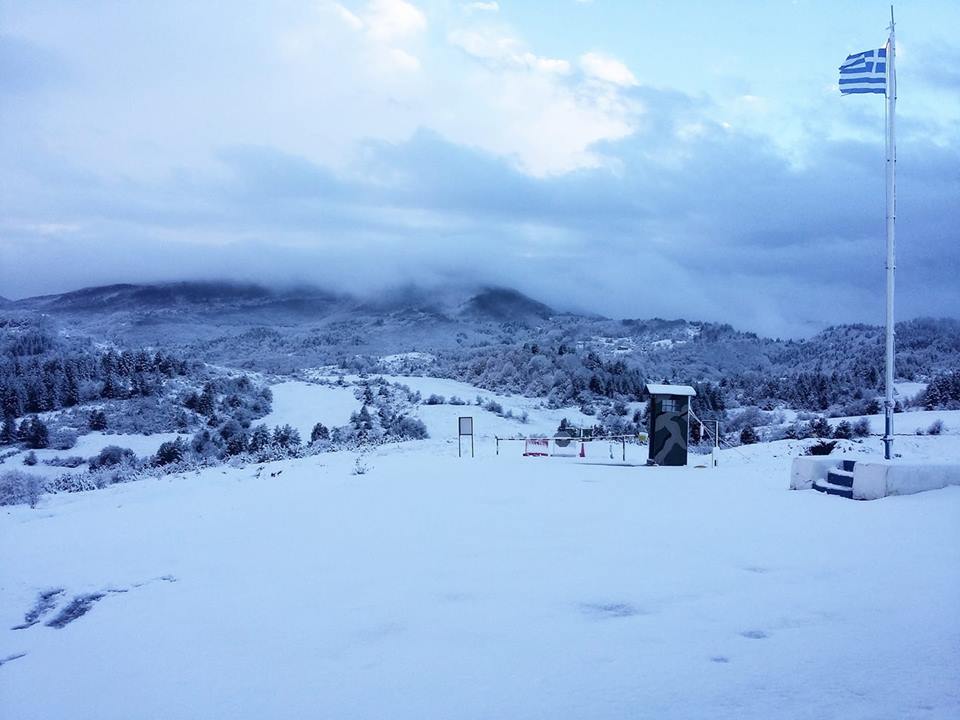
(441, 420)
(911, 422)
(303, 405)
(87, 446)
(497, 587)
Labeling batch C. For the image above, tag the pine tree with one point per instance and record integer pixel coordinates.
(170, 452)
(286, 436)
(35, 435)
(259, 438)
(843, 430)
(8, 431)
(319, 432)
(206, 403)
(819, 427)
(71, 388)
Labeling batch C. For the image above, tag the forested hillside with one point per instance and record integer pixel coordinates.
(494, 338)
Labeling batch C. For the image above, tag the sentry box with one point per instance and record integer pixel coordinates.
(669, 423)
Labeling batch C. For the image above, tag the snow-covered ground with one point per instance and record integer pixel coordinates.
(908, 390)
(303, 405)
(493, 587)
(911, 422)
(87, 446)
(441, 420)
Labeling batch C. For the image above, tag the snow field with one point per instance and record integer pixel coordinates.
(87, 446)
(493, 587)
(303, 405)
(441, 420)
(907, 423)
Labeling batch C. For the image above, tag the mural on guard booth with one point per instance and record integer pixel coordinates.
(669, 435)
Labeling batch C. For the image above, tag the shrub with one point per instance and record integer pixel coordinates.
(748, 436)
(843, 430)
(434, 400)
(207, 444)
(63, 439)
(861, 428)
(796, 431)
(824, 447)
(360, 467)
(748, 417)
(18, 487)
(819, 428)
(493, 406)
(936, 427)
(234, 438)
(111, 456)
(454, 400)
(408, 428)
(169, 452)
(97, 420)
(72, 461)
(30, 459)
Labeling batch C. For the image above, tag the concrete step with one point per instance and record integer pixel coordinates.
(831, 489)
(848, 465)
(842, 478)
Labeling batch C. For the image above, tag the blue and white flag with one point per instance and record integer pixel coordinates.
(864, 72)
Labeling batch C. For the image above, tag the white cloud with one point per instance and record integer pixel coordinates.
(319, 80)
(504, 50)
(485, 46)
(392, 19)
(545, 64)
(348, 17)
(608, 69)
(537, 114)
(403, 60)
(484, 6)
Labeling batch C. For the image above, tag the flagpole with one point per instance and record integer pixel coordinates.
(891, 94)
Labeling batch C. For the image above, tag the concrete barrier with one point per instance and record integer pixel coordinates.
(878, 479)
(869, 481)
(808, 468)
(874, 480)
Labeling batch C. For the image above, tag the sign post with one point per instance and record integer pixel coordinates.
(464, 427)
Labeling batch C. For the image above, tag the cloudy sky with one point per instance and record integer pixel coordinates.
(588, 153)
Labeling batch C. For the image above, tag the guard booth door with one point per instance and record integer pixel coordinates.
(669, 426)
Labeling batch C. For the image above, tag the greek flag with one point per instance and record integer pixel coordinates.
(864, 72)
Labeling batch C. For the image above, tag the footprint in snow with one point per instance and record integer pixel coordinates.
(46, 601)
(605, 611)
(76, 608)
(8, 658)
(754, 634)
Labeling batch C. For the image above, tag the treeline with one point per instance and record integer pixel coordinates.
(229, 432)
(39, 372)
(942, 393)
(230, 436)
